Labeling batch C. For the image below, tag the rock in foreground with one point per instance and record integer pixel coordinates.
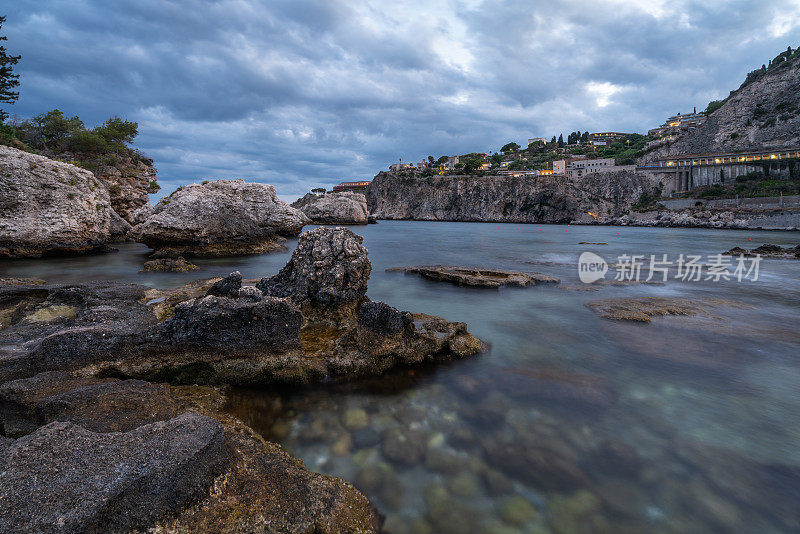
(335, 208)
(220, 218)
(466, 276)
(50, 208)
(65, 478)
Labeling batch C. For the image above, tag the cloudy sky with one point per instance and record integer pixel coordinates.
(305, 93)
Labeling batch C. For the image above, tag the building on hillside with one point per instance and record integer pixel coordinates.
(681, 122)
(485, 166)
(545, 172)
(577, 168)
(560, 165)
(357, 187)
(451, 162)
(518, 173)
(394, 167)
(606, 138)
(533, 140)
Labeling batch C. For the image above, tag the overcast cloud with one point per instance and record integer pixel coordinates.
(306, 93)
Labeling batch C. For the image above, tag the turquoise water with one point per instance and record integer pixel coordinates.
(569, 422)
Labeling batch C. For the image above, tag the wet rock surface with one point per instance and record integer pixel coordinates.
(71, 362)
(334, 208)
(643, 309)
(767, 251)
(52, 208)
(170, 265)
(224, 217)
(474, 277)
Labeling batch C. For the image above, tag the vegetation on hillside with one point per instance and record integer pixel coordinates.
(755, 184)
(59, 136)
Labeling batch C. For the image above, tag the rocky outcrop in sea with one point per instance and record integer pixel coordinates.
(100, 434)
(219, 218)
(504, 198)
(48, 208)
(334, 208)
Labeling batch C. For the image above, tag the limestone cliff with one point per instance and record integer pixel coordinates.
(504, 199)
(764, 113)
(129, 184)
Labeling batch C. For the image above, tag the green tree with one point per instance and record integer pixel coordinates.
(496, 159)
(52, 130)
(8, 80)
(117, 131)
(509, 147)
(561, 141)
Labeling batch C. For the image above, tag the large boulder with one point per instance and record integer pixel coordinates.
(328, 268)
(64, 478)
(48, 207)
(335, 208)
(220, 218)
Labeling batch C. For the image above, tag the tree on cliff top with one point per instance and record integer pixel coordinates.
(8, 80)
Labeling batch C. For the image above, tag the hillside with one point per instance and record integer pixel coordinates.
(764, 113)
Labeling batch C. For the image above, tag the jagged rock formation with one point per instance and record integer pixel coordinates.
(329, 267)
(334, 208)
(764, 113)
(129, 181)
(141, 213)
(48, 207)
(303, 328)
(504, 199)
(224, 217)
(99, 449)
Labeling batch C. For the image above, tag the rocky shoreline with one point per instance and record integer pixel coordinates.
(102, 366)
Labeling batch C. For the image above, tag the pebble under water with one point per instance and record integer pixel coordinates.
(570, 422)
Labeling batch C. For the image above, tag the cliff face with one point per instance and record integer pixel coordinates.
(129, 183)
(504, 199)
(764, 113)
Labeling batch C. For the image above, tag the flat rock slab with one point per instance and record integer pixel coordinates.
(475, 277)
(99, 405)
(64, 478)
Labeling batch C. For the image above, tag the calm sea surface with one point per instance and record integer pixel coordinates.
(570, 422)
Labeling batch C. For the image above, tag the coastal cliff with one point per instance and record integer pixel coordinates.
(504, 198)
(763, 114)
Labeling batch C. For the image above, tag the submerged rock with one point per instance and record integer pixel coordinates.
(220, 218)
(491, 278)
(643, 309)
(335, 208)
(50, 208)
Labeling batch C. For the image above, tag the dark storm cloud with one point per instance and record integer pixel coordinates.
(302, 93)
